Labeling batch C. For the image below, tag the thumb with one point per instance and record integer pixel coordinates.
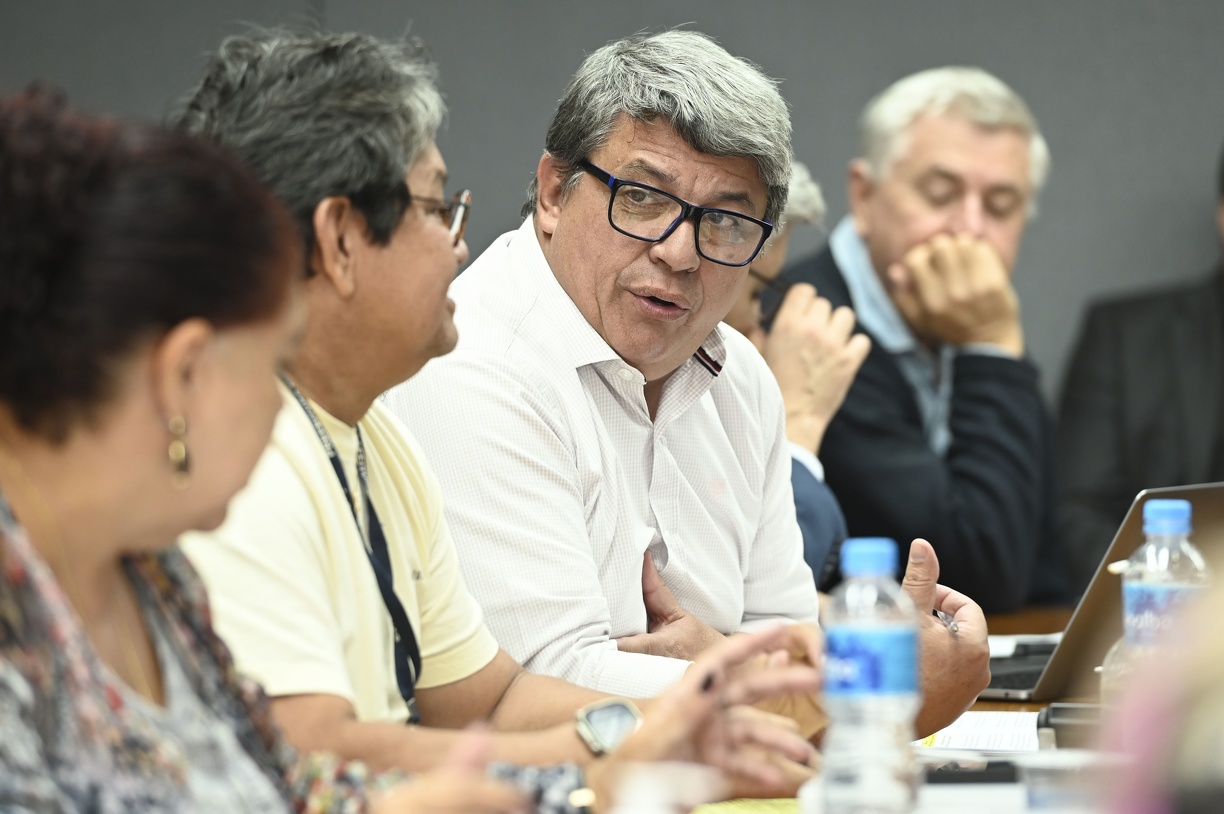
(637, 643)
(658, 598)
(921, 575)
(471, 752)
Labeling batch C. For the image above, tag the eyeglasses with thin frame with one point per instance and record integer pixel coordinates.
(646, 213)
(454, 213)
(779, 285)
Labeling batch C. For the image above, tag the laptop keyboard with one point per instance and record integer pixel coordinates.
(1016, 679)
(1018, 672)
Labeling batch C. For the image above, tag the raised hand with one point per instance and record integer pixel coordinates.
(955, 666)
(814, 354)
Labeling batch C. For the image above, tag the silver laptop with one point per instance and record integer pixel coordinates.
(1069, 671)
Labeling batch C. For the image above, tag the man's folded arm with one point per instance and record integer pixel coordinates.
(517, 507)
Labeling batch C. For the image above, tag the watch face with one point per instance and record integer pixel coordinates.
(612, 723)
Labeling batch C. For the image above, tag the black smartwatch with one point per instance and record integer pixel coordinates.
(604, 724)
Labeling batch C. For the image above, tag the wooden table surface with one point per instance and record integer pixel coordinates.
(1029, 620)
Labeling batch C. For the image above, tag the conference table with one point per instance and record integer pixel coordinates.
(1030, 620)
(958, 798)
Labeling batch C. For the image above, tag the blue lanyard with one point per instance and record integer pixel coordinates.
(407, 653)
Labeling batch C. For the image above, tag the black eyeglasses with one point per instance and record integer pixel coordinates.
(454, 213)
(646, 213)
(777, 288)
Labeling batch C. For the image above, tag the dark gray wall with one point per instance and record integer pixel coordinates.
(132, 57)
(1127, 92)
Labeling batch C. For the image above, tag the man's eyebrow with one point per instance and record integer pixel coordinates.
(945, 174)
(660, 178)
(941, 173)
(641, 167)
(736, 197)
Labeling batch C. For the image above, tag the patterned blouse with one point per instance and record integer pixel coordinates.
(71, 742)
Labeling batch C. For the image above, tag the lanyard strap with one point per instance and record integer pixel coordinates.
(407, 653)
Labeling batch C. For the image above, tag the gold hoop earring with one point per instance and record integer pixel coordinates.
(180, 461)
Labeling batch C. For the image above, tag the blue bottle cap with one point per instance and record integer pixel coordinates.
(869, 557)
(1166, 517)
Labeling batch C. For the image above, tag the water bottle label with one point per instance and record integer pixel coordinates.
(1149, 611)
(871, 660)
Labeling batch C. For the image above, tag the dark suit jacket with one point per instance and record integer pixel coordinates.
(821, 521)
(985, 505)
(1142, 405)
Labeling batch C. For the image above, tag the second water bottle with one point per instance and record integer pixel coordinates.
(1163, 574)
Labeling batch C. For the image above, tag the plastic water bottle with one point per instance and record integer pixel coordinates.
(871, 685)
(1163, 574)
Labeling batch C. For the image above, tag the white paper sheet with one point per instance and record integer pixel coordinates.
(989, 732)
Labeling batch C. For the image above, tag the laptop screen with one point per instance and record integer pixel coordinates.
(1097, 621)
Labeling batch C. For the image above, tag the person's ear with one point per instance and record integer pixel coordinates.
(860, 187)
(1220, 219)
(176, 367)
(339, 230)
(550, 193)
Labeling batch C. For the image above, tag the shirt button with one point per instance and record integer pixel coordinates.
(626, 374)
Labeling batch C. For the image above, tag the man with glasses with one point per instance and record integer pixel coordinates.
(334, 579)
(615, 463)
(944, 432)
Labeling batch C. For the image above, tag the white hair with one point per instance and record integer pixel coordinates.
(805, 202)
(971, 93)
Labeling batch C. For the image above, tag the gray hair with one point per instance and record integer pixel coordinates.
(805, 203)
(971, 93)
(317, 115)
(721, 105)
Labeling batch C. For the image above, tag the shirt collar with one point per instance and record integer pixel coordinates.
(582, 343)
(712, 354)
(872, 305)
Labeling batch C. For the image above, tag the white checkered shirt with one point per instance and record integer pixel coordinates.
(556, 480)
